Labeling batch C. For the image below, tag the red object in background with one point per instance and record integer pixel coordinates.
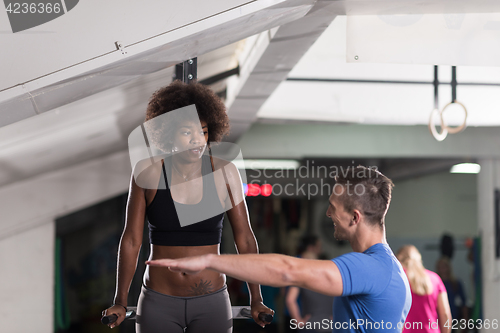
(253, 190)
(469, 243)
(266, 189)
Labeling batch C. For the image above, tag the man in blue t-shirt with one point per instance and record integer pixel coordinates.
(373, 293)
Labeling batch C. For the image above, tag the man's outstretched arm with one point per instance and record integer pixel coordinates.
(275, 270)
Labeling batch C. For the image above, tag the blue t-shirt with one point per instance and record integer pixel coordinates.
(376, 294)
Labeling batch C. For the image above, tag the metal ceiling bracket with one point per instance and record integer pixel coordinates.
(120, 47)
(187, 71)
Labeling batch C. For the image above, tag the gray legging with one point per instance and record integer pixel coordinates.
(210, 313)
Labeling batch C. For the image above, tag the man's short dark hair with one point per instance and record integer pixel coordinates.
(370, 192)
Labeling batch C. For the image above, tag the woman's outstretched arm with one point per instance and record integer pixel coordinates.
(276, 270)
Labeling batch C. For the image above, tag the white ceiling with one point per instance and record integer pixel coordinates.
(376, 103)
(93, 125)
(94, 117)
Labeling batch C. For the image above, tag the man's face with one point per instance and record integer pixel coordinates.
(340, 218)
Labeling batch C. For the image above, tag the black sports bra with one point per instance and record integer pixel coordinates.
(201, 222)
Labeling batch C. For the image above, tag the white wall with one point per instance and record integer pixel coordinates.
(488, 181)
(429, 205)
(27, 236)
(27, 280)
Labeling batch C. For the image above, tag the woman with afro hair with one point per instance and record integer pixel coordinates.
(172, 301)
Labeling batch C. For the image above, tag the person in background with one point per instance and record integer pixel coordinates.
(315, 306)
(429, 297)
(454, 288)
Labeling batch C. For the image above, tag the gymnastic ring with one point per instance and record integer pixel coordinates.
(444, 131)
(453, 130)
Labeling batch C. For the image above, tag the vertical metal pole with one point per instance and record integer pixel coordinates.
(453, 84)
(497, 224)
(436, 88)
(187, 71)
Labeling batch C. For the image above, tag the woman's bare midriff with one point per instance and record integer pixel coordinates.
(171, 283)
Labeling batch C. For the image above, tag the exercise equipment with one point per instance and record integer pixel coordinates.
(445, 129)
(238, 312)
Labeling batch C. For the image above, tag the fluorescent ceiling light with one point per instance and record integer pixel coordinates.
(466, 168)
(267, 164)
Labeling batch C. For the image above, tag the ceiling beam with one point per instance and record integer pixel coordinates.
(284, 50)
(329, 140)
